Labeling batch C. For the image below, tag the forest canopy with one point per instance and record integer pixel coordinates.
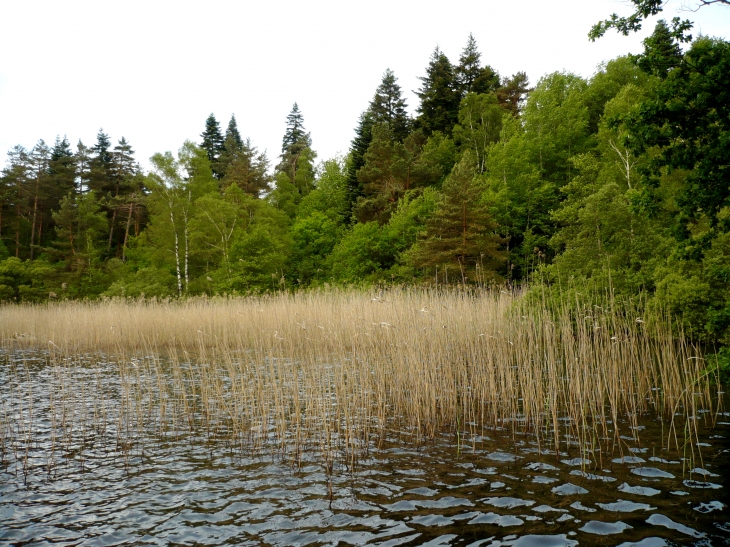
(617, 182)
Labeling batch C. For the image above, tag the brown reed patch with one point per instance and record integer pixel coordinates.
(336, 372)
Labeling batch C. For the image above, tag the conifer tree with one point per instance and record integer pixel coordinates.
(461, 233)
(390, 170)
(14, 180)
(295, 133)
(389, 107)
(232, 132)
(125, 195)
(62, 168)
(295, 141)
(358, 148)
(100, 164)
(513, 92)
(80, 232)
(37, 192)
(661, 52)
(439, 96)
(213, 143)
(247, 168)
(470, 75)
(61, 149)
(122, 162)
(101, 148)
(82, 157)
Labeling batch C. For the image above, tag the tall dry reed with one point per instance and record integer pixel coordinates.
(336, 372)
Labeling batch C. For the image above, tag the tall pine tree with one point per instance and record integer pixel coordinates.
(513, 92)
(460, 235)
(389, 107)
(62, 168)
(100, 164)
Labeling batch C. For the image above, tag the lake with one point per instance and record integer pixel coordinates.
(75, 472)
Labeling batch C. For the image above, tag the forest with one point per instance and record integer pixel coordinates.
(618, 183)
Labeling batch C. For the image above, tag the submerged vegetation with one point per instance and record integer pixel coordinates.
(334, 373)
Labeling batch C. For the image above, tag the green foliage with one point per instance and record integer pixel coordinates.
(439, 96)
(719, 365)
(605, 85)
(688, 117)
(213, 142)
(480, 122)
(80, 231)
(460, 234)
(389, 107)
(521, 199)
(513, 93)
(556, 124)
(330, 197)
(391, 169)
(358, 256)
(358, 149)
(633, 23)
(321, 220)
(471, 76)
(313, 238)
(438, 156)
(369, 252)
(23, 280)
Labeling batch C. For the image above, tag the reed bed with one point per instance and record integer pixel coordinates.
(338, 372)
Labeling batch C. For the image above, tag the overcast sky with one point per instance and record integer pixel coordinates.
(153, 70)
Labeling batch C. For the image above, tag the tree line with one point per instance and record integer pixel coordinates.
(618, 181)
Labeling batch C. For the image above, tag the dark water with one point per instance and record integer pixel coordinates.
(503, 490)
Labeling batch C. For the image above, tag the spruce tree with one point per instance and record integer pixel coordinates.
(461, 233)
(295, 140)
(213, 143)
(62, 168)
(661, 52)
(439, 96)
(232, 132)
(295, 134)
(100, 164)
(470, 75)
(358, 148)
(470, 65)
(101, 148)
(391, 169)
(389, 107)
